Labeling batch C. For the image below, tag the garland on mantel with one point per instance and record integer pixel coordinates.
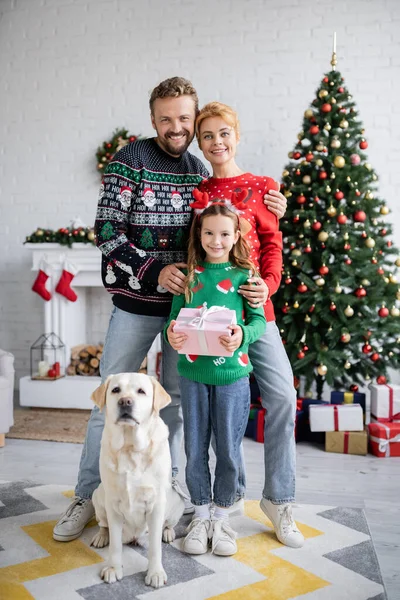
(66, 236)
(105, 153)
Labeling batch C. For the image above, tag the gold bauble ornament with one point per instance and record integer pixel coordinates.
(368, 166)
(333, 101)
(386, 279)
(320, 281)
(374, 177)
(320, 147)
(323, 236)
(100, 166)
(347, 365)
(338, 289)
(294, 263)
(333, 176)
(348, 178)
(290, 154)
(306, 179)
(307, 318)
(327, 127)
(390, 354)
(322, 370)
(39, 232)
(308, 113)
(331, 211)
(344, 124)
(319, 162)
(366, 282)
(397, 262)
(392, 278)
(370, 243)
(90, 236)
(384, 210)
(328, 189)
(339, 162)
(287, 193)
(296, 252)
(285, 173)
(307, 224)
(345, 235)
(323, 93)
(335, 143)
(345, 338)
(394, 311)
(374, 222)
(300, 135)
(348, 311)
(369, 195)
(296, 305)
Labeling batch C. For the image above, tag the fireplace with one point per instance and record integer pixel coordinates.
(68, 320)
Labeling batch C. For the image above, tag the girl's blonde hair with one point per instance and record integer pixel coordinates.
(239, 255)
(217, 109)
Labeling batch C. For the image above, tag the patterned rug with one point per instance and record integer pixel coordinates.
(338, 561)
(50, 424)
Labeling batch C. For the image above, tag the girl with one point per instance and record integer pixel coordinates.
(217, 131)
(214, 390)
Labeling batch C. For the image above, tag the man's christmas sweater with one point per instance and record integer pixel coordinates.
(217, 285)
(264, 237)
(142, 222)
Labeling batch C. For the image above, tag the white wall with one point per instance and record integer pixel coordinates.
(73, 71)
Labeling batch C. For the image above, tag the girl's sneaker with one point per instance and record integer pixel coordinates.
(198, 536)
(223, 538)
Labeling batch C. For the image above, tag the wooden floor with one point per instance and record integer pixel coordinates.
(322, 478)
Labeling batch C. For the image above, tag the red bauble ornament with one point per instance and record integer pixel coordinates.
(363, 144)
(324, 270)
(296, 155)
(332, 306)
(323, 175)
(360, 292)
(388, 243)
(326, 107)
(305, 348)
(375, 356)
(288, 280)
(381, 380)
(316, 225)
(367, 348)
(339, 195)
(354, 387)
(325, 80)
(296, 219)
(302, 288)
(383, 232)
(359, 216)
(300, 355)
(108, 145)
(307, 249)
(133, 138)
(309, 156)
(314, 129)
(383, 312)
(341, 219)
(311, 309)
(348, 261)
(347, 246)
(364, 235)
(283, 342)
(340, 90)
(297, 172)
(301, 199)
(379, 270)
(285, 309)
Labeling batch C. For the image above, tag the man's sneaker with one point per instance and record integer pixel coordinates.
(189, 508)
(237, 509)
(223, 539)
(73, 521)
(198, 536)
(285, 527)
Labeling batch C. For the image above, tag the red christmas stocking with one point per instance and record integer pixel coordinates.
(39, 285)
(64, 284)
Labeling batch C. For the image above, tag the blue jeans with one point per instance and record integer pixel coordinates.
(128, 340)
(224, 410)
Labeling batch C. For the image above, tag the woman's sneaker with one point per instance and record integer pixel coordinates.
(198, 536)
(285, 527)
(223, 538)
(74, 520)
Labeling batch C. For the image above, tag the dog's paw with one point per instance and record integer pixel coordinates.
(101, 538)
(111, 574)
(168, 535)
(156, 578)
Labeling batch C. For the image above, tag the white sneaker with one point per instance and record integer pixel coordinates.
(285, 527)
(73, 521)
(237, 509)
(199, 533)
(189, 508)
(223, 539)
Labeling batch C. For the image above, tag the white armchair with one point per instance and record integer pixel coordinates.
(6, 394)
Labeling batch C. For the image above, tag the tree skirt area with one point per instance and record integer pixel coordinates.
(50, 424)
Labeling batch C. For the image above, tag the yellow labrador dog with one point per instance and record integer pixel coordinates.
(136, 491)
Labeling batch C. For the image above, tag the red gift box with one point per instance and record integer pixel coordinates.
(384, 439)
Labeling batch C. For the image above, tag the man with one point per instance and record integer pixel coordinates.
(141, 227)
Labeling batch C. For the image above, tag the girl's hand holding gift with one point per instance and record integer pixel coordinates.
(257, 294)
(176, 340)
(234, 341)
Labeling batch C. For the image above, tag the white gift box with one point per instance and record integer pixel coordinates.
(385, 403)
(336, 417)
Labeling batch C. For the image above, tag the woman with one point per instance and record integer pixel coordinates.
(217, 131)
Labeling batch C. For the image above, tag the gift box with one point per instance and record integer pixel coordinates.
(302, 430)
(255, 425)
(203, 327)
(384, 439)
(349, 398)
(347, 442)
(385, 403)
(336, 417)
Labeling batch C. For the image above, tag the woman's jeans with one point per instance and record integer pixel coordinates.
(224, 410)
(128, 340)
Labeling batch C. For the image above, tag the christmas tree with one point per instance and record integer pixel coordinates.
(337, 304)
(146, 240)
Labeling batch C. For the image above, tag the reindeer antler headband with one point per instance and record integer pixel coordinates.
(202, 201)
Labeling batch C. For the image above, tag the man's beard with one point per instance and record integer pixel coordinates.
(169, 147)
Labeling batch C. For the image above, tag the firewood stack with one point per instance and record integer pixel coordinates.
(85, 360)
